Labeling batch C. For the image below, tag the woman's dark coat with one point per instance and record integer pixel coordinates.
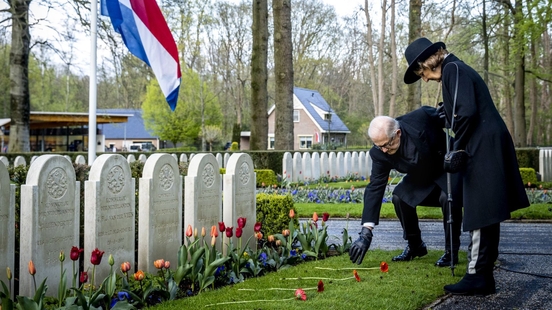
(492, 185)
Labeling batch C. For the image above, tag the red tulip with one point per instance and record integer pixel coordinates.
(300, 294)
(257, 227)
(222, 227)
(32, 269)
(320, 286)
(241, 222)
(325, 216)
(384, 267)
(356, 275)
(96, 257)
(75, 253)
(189, 231)
(167, 264)
(83, 277)
(229, 233)
(239, 232)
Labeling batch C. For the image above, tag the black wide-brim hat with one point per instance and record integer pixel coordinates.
(417, 51)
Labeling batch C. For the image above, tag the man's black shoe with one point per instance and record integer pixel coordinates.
(444, 261)
(473, 284)
(409, 254)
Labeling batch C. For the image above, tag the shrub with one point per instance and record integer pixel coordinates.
(266, 177)
(234, 146)
(273, 212)
(528, 175)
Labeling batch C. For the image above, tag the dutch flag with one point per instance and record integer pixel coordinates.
(148, 37)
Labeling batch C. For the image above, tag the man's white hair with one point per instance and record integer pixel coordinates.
(383, 124)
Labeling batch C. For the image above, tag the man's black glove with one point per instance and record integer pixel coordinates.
(455, 161)
(360, 246)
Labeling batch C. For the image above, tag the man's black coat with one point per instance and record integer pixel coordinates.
(420, 156)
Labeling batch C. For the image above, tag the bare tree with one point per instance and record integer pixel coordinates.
(259, 76)
(283, 70)
(414, 92)
(371, 62)
(394, 62)
(20, 102)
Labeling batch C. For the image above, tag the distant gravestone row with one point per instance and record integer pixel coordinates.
(301, 167)
(50, 210)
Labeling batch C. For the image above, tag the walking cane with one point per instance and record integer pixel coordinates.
(450, 221)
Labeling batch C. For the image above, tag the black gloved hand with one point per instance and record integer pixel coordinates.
(360, 246)
(455, 161)
(442, 115)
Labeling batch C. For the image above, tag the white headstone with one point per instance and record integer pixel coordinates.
(226, 157)
(33, 158)
(183, 158)
(109, 217)
(7, 224)
(545, 164)
(49, 220)
(80, 160)
(340, 165)
(142, 158)
(347, 164)
(334, 169)
(160, 207)
(68, 158)
(220, 160)
(325, 165)
(239, 196)
(287, 167)
(307, 167)
(203, 197)
(315, 164)
(131, 158)
(5, 160)
(363, 169)
(368, 165)
(175, 156)
(19, 161)
(355, 167)
(297, 175)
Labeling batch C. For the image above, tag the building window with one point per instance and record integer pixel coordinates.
(270, 143)
(295, 116)
(305, 142)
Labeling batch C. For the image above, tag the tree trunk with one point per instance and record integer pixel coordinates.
(520, 135)
(506, 72)
(259, 75)
(283, 69)
(414, 91)
(20, 103)
(371, 63)
(381, 56)
(394, 63)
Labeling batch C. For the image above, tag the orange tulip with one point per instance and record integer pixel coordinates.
(189, 231)
(159, 264)
(271, 238)
(285, 232)
(203, 233)
(315, 217)
(356, 275)
(32, 269)
(167, 264)
(291, 213)
(259, 235)
(139, 275)
(214, 231)
(213, 241)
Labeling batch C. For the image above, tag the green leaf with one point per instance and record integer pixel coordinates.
(62, 289)
(25, 303)
(182, 256)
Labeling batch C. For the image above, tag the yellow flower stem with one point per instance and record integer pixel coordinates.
(247, 301)
(276, 289)
(353, 268)
(317, 278)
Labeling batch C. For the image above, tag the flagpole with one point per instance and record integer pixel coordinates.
(93, 83)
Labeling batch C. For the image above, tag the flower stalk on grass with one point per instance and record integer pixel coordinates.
(384, 267)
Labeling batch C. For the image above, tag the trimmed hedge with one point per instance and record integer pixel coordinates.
(273, 212)
(528, 175)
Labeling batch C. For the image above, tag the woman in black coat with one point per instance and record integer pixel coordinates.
(492, 185)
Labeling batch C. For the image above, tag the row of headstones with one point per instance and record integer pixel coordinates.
(222, 160)
(313, 166)
(50, 211)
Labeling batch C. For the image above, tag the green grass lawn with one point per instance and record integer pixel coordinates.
(534, 212)
(407, 285)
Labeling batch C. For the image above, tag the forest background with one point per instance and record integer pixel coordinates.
(354, 60)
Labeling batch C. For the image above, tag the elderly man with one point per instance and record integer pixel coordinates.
(414, 144)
